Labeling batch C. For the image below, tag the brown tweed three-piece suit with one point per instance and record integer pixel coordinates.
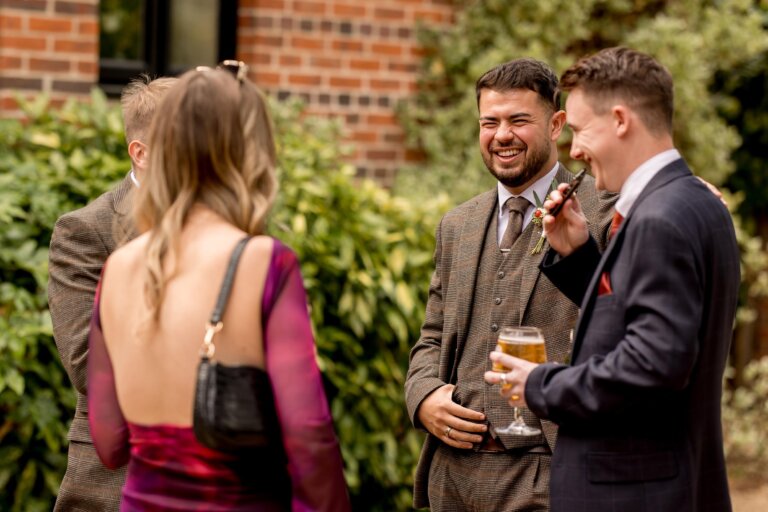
(476, 290)
(81, 242)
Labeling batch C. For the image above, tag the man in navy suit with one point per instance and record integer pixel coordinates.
(639, 406)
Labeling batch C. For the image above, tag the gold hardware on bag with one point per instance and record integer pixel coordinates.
(208, 348)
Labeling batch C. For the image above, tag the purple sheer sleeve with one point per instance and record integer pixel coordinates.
(109, 430)
(314, 458)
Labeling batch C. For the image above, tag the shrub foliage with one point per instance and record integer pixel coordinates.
(695, 39)
(54, 163)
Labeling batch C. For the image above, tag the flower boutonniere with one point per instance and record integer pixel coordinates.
(538, 217)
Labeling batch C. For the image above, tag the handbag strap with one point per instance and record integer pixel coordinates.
(215, 324)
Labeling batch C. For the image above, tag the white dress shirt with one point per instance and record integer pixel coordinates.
(640, 177)
(541, 186)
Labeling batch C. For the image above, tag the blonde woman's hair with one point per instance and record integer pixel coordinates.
(211, 143)
(139, 101)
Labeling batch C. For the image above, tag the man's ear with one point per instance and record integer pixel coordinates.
(622, 119)
(137, 150)
(558, 123)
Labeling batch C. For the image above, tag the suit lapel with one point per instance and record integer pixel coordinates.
(676, 169)
(531, 261)
(470, 245)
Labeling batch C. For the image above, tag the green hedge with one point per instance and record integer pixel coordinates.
(54, 163)
(366, 261)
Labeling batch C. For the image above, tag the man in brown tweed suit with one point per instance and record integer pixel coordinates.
(487, 277)
(80, 244)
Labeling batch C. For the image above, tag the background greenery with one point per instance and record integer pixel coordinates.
(55, 163)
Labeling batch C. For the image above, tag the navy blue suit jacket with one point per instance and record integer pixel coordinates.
(639, 406)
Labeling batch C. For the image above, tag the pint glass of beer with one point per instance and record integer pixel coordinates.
(526, 343)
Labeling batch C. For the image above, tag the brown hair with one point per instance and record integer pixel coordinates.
(211, 144)
(522, 73)
(139, 101)
(630, 76)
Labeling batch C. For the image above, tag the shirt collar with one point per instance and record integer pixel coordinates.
(641, 176)
(540, 186)
(134, 179)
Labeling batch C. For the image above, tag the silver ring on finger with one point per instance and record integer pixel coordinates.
(448, 432)
(503, 379)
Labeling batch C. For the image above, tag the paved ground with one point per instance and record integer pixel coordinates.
(748, 497)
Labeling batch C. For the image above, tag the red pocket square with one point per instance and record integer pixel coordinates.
(604, 287)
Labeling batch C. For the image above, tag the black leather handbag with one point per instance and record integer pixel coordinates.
(234, 407)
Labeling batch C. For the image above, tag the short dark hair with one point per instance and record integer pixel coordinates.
(632, 76)
(525, 73)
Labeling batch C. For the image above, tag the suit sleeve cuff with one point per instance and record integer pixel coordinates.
(418, 394)
(534, 388)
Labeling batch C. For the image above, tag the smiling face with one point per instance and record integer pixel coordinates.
(517, 136)
(596, 141)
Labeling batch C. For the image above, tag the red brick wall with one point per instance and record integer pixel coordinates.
(354, 59)
(47, 45)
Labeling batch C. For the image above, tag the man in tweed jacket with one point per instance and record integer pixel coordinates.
(80, 244)
(477, 289)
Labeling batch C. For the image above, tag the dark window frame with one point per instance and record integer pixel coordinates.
(114, 74)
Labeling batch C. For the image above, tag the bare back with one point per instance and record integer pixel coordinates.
(155, 364)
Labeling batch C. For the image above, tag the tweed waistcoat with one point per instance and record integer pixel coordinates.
(497, 304)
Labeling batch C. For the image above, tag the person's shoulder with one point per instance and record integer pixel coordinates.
(261, 246)
(264, 246)
(89, 226)
(92, 213)
(131, 254)
(687, 197)
(592, 198)
(484, 199)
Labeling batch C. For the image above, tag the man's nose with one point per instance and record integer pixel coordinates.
(505, 134)
(576, 152)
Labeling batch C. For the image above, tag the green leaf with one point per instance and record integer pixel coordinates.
(536, 198)
(5, 476)
(25, 485)
(404, 298)
(15, 381)
(50, 140)
(397, 261)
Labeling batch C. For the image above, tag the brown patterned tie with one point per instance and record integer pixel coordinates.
(516, 207)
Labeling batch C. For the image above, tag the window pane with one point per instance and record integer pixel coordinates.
(194, 33)
(121, 29)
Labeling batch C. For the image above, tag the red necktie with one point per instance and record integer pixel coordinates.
(615, 223)
(604, 288)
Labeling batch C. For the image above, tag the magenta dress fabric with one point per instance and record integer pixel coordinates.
(169, 470)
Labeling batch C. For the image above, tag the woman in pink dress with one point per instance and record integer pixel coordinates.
(211, 182)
